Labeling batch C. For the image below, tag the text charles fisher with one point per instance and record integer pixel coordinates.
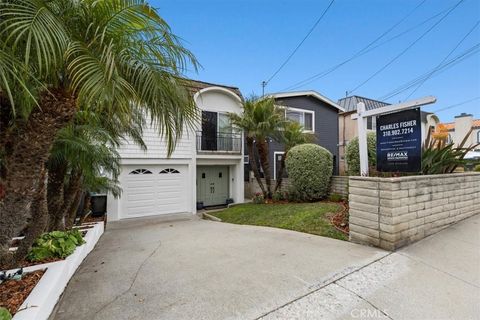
(398, 125)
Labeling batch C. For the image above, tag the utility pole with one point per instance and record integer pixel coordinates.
(264, 84)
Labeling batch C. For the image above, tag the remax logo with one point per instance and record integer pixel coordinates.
(397, 155)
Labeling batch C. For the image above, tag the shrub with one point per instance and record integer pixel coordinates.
(279, 196)
(55, 244)
(335, 197)
(352, 155)
(477, 168)
(258, 198)
(309, 169)
(5, 314)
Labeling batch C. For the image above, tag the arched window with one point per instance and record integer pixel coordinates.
(141, 171)
(169, 170)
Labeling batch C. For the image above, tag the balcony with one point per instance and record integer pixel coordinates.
(220, 142)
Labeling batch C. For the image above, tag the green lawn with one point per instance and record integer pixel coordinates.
(304, 217)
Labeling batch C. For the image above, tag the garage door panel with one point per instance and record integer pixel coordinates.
(133, 184)
(141, 202)
(155, 192)
(170, 192)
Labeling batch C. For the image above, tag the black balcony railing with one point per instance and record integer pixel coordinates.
(219, 142)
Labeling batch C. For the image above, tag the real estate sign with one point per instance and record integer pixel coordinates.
(399, 141)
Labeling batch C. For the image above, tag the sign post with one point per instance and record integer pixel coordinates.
(362, 115)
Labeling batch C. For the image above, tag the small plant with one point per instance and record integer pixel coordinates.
(335, 197)
(258, 198)
(440, 157)
(5, 314)
(55, 244)
(477, 168)
(279, 196)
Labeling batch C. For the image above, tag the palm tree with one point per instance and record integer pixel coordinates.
(83, 157)
(58, 57)
(246, 122)
(291, 135)
(269, 119)
(261, 121)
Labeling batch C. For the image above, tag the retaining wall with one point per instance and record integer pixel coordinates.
(339, 185)
(393, 212)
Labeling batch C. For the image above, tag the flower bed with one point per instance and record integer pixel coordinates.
(14, 292)
(42, 299)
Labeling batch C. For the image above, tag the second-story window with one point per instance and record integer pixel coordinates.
(304, 117)
(218, 134)
(209, 130)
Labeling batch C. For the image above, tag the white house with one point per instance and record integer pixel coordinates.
(205, 168)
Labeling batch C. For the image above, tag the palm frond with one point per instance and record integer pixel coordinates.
(32, 29)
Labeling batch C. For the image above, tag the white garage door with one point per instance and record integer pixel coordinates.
(151, 190)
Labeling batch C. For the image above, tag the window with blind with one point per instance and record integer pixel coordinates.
(303, 117)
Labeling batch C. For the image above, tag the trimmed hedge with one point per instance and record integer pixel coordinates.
(309, 168)
(352, 155)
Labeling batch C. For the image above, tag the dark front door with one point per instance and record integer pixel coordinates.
(209, 130)
(278, 164)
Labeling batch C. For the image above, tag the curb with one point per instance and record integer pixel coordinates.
(210, 217)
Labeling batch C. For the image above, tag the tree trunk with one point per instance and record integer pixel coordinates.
(71, 194)
(262, 147)
(72, 210)
(280, 172)
(37, 222)
(24, 164)
(253, 163)
(87, 206)
(55, 193)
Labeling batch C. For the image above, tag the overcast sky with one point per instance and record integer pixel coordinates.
(242, 43)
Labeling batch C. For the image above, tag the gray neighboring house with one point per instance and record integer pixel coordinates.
(317, 114)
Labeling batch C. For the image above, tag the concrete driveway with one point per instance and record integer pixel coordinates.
(194, 269)
(197, 269)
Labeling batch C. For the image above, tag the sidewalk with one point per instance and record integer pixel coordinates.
(436, 278)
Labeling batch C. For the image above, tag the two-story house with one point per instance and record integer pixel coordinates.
(317, 114)
(206, 167)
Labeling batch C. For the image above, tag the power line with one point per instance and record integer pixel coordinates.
(446, 65)
(300, 44)
(456, 105)
(444, 59)
(363, 51)
(407, 48)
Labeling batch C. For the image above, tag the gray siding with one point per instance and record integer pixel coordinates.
(326, 125)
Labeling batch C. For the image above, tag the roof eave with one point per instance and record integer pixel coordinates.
(312, 93)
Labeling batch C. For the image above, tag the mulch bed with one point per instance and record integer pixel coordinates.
(14, 292)
(26, 263)
(94, 219)
(340, 219)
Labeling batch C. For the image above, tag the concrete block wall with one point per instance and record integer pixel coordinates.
(339, 185)
(392, 212)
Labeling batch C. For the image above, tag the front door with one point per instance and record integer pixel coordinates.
(212, 185)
